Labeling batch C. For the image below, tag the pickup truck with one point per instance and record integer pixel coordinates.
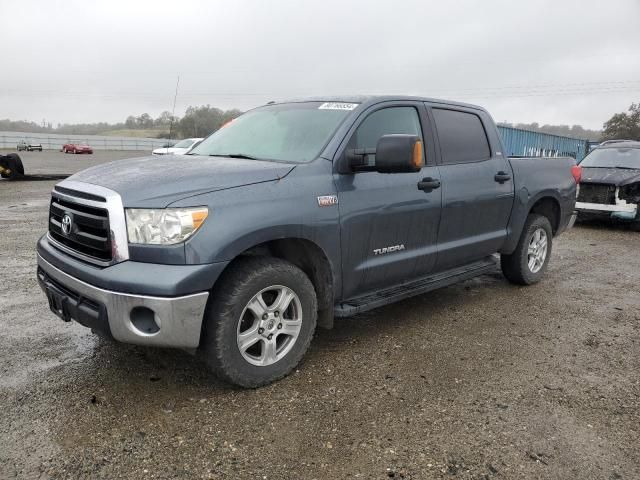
(291, 215)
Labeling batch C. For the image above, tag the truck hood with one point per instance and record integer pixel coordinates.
(157, 181)
(610, 176)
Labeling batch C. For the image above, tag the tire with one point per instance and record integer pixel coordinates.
(522, 267)
(228, 316)
(14, 163)
(635, 225)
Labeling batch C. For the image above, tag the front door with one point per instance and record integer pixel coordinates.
(388, 226)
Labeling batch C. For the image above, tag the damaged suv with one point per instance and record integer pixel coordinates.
(610, 184)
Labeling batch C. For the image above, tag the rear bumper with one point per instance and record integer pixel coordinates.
(138, 319)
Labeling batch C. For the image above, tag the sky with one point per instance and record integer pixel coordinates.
(546, 61)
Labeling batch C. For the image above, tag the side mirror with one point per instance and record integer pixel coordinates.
(396, 153)
(399, 154)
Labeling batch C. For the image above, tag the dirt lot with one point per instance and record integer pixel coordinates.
(482, 380)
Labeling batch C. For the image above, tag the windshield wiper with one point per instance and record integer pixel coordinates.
(234, 155)
(627, 168)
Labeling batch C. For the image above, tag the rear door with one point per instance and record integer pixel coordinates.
(477, 186)
(388, 226)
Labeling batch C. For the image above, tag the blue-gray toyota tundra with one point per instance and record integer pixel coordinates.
(293, 214)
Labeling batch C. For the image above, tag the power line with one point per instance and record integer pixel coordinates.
(507, 91)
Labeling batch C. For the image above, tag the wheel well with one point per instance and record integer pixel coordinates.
(309, 258)
(550, 208)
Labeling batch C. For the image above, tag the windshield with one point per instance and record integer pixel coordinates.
(612, 158)
(184, 143)
(289, 132)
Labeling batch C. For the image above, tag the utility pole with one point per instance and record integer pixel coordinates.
(173, 112)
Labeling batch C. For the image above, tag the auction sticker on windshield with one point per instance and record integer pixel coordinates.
(337, 106)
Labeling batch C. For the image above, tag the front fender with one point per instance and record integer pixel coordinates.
(244, 217)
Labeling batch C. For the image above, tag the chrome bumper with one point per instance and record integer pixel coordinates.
(178, 320)
(621, 210)
(600, 207)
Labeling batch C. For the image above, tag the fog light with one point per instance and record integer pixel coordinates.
(145, 320)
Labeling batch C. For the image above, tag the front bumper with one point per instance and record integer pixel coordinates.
(620, 210)
(138, 319)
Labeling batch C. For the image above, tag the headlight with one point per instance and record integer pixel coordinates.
(163, 226)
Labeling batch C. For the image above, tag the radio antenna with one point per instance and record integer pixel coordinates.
(173, 112)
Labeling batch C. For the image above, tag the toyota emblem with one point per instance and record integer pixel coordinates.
(66, 224)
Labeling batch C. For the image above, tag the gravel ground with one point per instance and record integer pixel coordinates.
(481, 380)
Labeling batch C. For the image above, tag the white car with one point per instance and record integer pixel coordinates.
(180, 148)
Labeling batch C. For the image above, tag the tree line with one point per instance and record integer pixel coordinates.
(624, 125)
(196, 122)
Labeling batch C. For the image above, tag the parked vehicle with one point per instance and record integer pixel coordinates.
(291, 215)
(11, 166)
(610, 184)
(180, 148)
(29, 147)
(77, 148)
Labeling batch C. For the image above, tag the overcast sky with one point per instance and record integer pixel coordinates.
(551, 61)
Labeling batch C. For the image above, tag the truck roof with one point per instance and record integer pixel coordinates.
(366, 100)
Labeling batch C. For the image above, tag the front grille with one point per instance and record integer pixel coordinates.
(89, 232)
(597, 193)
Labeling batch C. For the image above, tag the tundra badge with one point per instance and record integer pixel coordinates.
(392, 248)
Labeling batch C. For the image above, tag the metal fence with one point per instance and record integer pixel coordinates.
(51, 141)
(526, 143)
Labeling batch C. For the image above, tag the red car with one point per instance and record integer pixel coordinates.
(76, 148)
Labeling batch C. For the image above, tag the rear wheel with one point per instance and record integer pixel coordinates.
(14, 165)
(635, 225)
(260, 323)
(528, 263)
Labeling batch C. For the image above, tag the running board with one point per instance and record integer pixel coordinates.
(417, 287)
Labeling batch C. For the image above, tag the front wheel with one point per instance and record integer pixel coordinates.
(259, 322)
(528, 263)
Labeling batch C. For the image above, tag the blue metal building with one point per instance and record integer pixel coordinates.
(525, 143)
